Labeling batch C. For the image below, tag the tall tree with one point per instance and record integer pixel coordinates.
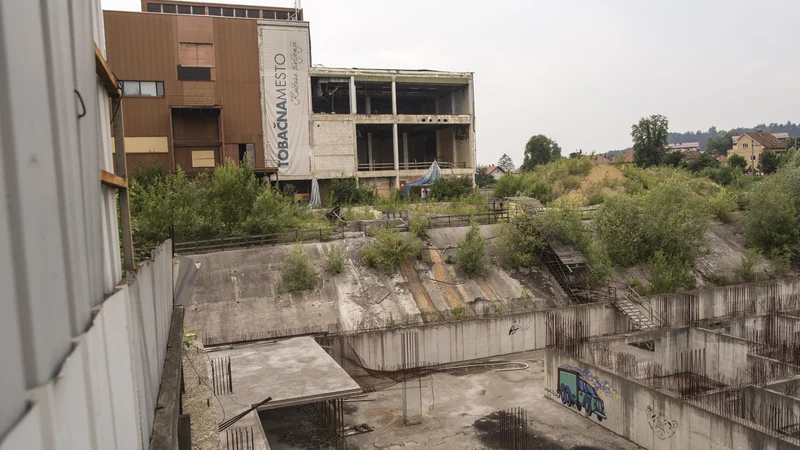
(483, 179)
(649, 140)
(540, 149)
(738, 162)
(506, 163)
(719, 145)
(768, 162)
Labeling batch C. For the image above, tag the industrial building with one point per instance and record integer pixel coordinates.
(207, 82)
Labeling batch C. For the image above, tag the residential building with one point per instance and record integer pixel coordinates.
(684, 146)
(781, 136)
(209, 82)
(495, 171)
(750, 145)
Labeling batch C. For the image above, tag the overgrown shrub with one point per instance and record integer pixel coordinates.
(390, 248)
(334, 259)
(230, 195)
(773, 213)
(571, 182)
(347, 191)
(509, 185)
(620, 225)
(448, 189)
(298, 274)
(471, 253)
(418, 226)
(747, 266)
(667, 274)
(519, 243)
(722, 206)
(780, 262)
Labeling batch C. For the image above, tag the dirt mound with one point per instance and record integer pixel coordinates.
(602, 179)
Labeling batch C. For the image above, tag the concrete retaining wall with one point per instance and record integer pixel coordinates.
(656, 420)
(480, 338)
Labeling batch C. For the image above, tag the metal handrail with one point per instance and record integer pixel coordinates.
(422, 165)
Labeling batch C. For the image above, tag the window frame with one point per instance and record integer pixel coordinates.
(139, 83)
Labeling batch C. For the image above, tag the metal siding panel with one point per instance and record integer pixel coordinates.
(64, 119)
(88, 129)
(27, 434)
(12, 389)
(144, 279)
(144, 385)
(101, 388)
(73, 402)
(30, 176)
(121, 373)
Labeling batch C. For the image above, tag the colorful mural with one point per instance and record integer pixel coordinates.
(576, 392)
(600, 385)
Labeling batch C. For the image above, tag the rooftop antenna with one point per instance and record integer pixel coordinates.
(297, 7)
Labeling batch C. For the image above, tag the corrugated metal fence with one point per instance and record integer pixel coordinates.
(104, 395)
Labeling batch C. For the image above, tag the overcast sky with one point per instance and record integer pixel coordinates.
(581, 71)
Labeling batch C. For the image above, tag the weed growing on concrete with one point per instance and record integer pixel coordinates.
(389, 249)
(667, 274)
(458, 313)
(748, 264)
(418, 226)
(298, 273)
(471, 254)
(334, 259)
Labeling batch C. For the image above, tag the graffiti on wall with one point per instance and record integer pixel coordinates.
(576, 390)
(597, 383)
(662, 424)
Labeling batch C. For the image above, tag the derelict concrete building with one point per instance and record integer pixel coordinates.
(224, 81)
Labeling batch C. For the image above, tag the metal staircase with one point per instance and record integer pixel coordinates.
(630, 304)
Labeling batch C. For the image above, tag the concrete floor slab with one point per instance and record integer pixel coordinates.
(291, 371)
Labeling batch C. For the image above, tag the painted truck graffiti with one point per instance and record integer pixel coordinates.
(575, 391)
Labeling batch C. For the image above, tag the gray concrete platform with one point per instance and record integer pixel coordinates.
(292, 371)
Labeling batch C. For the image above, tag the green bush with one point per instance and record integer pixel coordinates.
(667, 274)
(748, 264)
(334, 259)
(418, 226)
(737, 162)
(571, 182)
(509, 185)
(346, 191)
(389, 249)
(722, 206)
(773, 213)
(448, 189)
(619, 224)
(780, 262)
(298, 274)
(519, 243)
(471, 253)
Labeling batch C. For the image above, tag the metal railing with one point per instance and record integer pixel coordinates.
(424, 165)
(218, 244)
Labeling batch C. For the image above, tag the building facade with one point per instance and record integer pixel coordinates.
(750, 145)
(207, 82)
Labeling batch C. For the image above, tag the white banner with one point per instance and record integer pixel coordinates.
(284, 89)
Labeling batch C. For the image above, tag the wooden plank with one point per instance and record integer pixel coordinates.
(165, 424)
(124, 199)
(113, 180)
(106, 75)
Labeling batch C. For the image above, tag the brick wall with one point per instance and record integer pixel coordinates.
(333, 146)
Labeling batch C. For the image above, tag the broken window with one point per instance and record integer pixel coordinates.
(418, 98)
(330, 95)
(373, 97)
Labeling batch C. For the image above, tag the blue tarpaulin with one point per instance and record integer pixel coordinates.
(427, 179)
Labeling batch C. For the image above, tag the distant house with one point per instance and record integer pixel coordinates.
(600, 159)
(722, 159)
(495, 171)
(628, 157)
(780, 136)
(518, 171)
(692, 154)
(750, 145)
(684, 147)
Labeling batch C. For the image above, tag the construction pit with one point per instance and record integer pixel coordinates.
(366, 321)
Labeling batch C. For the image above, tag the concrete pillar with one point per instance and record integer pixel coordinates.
(368, 105)
(353, 106)
(394, 97)
(412, 389)
(395, 148)
(405, 150)
(369, 149)
(471, 103)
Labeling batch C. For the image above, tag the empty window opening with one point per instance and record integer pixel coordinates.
(413, 98)
(199, 10)
(247, 153)
(214, 11)
(227, 12)
(170, 9)
(330, 95)
(184, 9)
(375, 147)
(154, 7)
(373, 97)
(421, 144)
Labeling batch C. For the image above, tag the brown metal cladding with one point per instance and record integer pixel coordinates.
(238, 84)
(143, 46)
